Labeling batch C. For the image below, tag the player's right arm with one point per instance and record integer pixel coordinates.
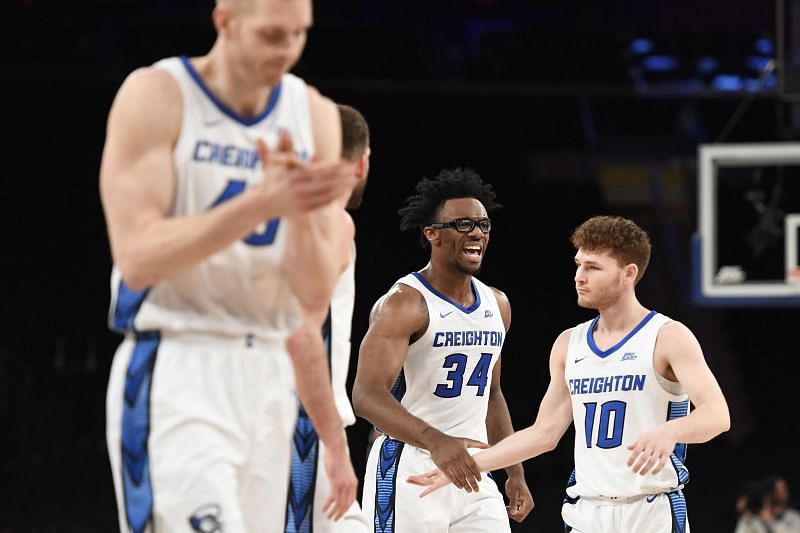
(137, 184)
(397, 319)
(552, 421)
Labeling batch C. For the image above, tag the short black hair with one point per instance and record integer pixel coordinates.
(421, 208)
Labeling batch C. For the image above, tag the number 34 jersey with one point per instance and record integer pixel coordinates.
(447, 374)
(617, 396)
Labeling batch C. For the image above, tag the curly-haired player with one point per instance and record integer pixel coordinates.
(441, 330)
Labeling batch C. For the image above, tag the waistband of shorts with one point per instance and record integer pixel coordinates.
(246, 340)
(617, 499)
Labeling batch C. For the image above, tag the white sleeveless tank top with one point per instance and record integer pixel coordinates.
(616, 397)
(447, 373)
(239, 290)
(338, 338)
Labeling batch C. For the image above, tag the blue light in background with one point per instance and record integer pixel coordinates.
(659, 63)
(707, 64)
(641, 45)
(764, 46)
(758, 63)
(727, 82)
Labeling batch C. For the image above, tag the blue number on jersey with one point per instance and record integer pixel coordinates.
(478, 378)
(443, 390)
(604, 440)
(480, 375)
(266, 237)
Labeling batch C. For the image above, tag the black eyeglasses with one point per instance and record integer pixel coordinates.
(465, 225)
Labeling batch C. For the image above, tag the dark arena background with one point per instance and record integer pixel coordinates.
(569, 108)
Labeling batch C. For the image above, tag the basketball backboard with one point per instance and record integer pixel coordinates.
(745, 250)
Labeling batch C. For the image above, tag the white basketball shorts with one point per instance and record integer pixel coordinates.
(199, 429)
(393, 505)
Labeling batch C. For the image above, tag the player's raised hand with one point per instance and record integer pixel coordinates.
(433, 480)
(520, 501)
(297, 187)
(343, 483)
(450, 455)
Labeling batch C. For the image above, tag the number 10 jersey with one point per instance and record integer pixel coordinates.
(616, 397)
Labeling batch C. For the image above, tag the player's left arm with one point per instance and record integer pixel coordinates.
(679, 357)
(317, 252)
(499, 426)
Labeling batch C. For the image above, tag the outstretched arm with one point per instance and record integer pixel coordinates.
(679, 357)
(317, 252)
(499, 426)
(552, 420)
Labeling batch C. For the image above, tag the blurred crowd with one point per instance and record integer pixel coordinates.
(765, 506)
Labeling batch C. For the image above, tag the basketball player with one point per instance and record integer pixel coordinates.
(441, 331)
(308, 485)
(625, 379)
(204, 221)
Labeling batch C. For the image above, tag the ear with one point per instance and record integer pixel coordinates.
(221, 16)
(631, 271)
(431, 234)
(362, 165)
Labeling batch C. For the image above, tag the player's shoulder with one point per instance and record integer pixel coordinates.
(401, 298)
(674, 330)
(318, 101)
(564, 336)
(674, 338)
(558, 352)
(155, 84)
(401, 294)
(148, 104)
(499, 294)
(401, 303)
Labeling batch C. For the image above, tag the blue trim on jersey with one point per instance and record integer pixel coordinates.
(246, 121)
(678, 455)
(126, 307)
(677, 503)
(606, 353)
(386, 485)
(303, 477)
(138, 491)
(570, 482)
(399, 387)
(678, 410)
(466, 310)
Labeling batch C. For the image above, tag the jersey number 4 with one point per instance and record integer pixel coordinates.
(261, 238)
(478, 378)
(613, 409)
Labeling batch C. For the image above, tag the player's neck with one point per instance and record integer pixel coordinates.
(457, 286)
(621, 316)
(236, 92)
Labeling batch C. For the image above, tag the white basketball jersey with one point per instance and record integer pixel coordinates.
(448, 371)
(239, 290)
(616, 397)
(338, 338)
